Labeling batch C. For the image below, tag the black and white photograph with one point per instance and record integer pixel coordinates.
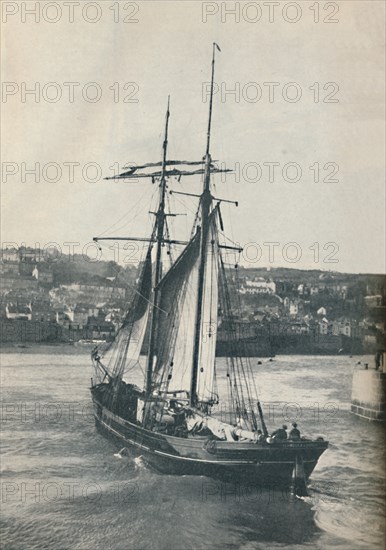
(193, 275)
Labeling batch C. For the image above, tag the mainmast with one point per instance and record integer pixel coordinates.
(205, 204)
(160, 224)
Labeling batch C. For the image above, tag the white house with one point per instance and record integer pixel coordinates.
(258, 286)
(324, 326)
(15, 311)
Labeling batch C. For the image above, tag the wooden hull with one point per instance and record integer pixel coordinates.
(263, 464)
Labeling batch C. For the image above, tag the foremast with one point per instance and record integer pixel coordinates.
(206, 200)
(156, 237)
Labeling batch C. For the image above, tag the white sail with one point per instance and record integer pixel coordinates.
(177, 320)
(125, 350)
(207, 351)
(181, 372)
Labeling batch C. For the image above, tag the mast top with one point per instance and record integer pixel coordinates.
(215, 46)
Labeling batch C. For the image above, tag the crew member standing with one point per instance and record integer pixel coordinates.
(294, 433)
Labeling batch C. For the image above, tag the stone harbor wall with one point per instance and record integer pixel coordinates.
(368, 394)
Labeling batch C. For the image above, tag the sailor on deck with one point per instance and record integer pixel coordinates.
(280, 434)
(294, 433)
(177, 412)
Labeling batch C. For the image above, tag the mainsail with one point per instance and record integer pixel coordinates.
(207, 350)
(124, 352)
(177, 318)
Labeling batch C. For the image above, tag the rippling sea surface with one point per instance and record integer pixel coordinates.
(62, 486)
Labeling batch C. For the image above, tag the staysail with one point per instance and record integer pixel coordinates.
(124, 352)
(176, 321)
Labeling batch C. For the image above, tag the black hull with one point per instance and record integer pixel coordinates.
(263, 464)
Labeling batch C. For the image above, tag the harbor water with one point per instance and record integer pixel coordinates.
(64, 486)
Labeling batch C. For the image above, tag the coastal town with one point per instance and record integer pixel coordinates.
(280, 310)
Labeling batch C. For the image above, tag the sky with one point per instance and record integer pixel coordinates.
(303, 128)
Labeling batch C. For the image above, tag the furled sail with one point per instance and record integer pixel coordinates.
(125, 350)
(177, 320)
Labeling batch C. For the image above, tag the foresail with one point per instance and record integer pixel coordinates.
(125, 350)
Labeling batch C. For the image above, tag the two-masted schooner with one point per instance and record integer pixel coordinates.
(173, 421)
